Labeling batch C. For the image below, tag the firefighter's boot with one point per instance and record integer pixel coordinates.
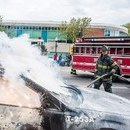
(73, 72)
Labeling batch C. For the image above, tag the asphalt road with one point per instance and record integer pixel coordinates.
(120, 88)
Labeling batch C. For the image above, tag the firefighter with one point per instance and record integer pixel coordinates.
(72, 71)
(42, 49)
(105, 65)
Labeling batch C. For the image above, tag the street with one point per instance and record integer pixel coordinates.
(85, 78)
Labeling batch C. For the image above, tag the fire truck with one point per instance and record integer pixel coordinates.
(86, 53)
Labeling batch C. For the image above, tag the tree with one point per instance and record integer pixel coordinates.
(128, 27)
(75, 28)
(1, 27)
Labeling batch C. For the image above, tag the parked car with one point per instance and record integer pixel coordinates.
(72, 109)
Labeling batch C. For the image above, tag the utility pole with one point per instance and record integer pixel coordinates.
(56, 40)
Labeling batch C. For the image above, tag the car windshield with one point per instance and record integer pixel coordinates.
(70, 96)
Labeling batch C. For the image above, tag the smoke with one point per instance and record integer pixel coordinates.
(19, 57)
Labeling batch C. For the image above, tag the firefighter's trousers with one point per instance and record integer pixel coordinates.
(107, 83)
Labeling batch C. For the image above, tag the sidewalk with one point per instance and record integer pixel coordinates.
(65, 68)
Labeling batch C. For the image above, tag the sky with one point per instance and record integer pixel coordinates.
(100, 11)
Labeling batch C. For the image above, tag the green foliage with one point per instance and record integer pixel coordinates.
(128, 27)
(75, 27)
(1, 27)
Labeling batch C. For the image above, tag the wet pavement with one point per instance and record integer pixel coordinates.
(82, 79)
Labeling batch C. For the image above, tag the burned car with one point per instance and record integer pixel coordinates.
(72, 109)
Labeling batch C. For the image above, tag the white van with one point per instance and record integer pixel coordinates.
(37, 41)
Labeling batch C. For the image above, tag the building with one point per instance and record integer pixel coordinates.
(50, 30)
(99, 29)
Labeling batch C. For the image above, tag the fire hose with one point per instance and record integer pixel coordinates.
(119, 76)
(90, 85)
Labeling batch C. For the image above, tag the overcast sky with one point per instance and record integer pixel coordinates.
(101, 11)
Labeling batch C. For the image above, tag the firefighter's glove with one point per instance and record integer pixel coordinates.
(110, 73)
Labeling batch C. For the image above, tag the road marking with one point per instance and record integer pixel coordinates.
(120, 87)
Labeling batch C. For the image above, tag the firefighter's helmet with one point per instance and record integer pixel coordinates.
(105, 48)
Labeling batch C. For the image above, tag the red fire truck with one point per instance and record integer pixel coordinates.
(87, 52)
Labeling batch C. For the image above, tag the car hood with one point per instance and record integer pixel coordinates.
(87, 99)
(97, 100)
